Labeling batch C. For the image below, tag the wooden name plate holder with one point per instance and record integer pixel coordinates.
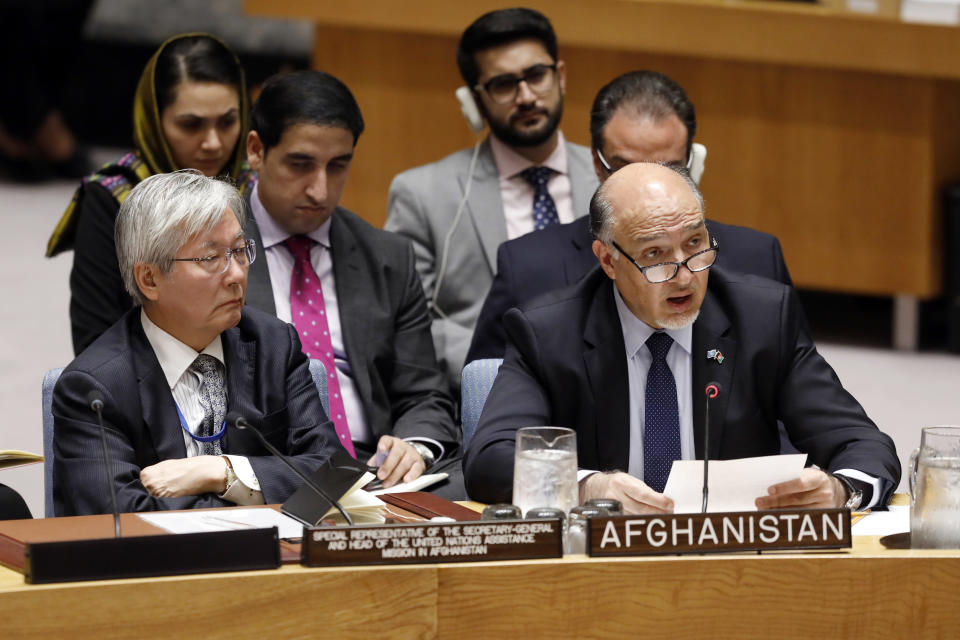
(80, 548)
(432, 542)
(719, 532)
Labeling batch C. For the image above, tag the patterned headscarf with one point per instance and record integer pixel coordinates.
(148, 135)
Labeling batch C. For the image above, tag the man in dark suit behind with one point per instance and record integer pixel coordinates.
(638, 116)
(369, 317)
(623, 363)
(171, 368)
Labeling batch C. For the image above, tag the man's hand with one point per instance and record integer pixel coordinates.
(403, 464)
(633, 493)
(185, 476)
(814, 489)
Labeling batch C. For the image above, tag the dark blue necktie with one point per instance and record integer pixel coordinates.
(661, 430)
(544, 208)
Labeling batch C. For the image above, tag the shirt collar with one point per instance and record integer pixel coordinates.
(636, 331)
(175, 357)
(510, 163)
(272, 234)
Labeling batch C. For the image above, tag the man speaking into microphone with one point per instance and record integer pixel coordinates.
(169, 371)
(623, 357)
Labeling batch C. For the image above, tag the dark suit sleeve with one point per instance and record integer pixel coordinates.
(780, 270)
(517, 399)
(302, 429)
(489, 338)
(821, 417)
(416, 388)
(97, 295)
(80, 487)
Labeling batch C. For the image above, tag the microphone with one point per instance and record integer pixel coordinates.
(95, 402)
(712, 390)
(237, 420)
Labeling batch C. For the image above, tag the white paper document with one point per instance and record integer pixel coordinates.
(733, 484)
(225, 520)
(416, 484)
(884, 523)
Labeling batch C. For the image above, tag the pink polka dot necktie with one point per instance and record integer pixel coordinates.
(310, 318)
(661, 429)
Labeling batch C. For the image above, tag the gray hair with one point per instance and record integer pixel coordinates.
(162, 213)
(601, 209)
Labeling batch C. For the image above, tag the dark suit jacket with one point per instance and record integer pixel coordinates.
(565, 365)
(267, 381)
(561, 255)
(386, 329)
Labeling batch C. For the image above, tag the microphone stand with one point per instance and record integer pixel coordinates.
(241, 423)
(96, 403)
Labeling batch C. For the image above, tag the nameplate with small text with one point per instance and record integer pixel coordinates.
(719, 532)
(432, 542)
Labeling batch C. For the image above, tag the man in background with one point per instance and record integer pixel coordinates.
(524, 176)
(351, 290)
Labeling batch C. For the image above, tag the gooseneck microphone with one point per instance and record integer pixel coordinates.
(712, 390)
(95, 402)
(235, 419)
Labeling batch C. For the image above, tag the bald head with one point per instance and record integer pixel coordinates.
(641, 194)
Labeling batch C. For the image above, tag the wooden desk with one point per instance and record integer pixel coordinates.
(834, 131)
(868, 592)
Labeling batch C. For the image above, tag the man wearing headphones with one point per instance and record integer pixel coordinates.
(523, 177)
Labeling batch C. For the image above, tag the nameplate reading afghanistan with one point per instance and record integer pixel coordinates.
(716, 532)
(432, 542)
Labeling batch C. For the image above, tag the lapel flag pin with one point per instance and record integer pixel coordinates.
(714, 354)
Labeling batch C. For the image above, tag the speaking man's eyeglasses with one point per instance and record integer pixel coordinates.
(657, 273)
(217, 263)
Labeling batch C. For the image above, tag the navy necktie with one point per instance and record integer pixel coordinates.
(544, 208)
(661, 430)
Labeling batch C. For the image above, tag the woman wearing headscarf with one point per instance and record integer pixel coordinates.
(190, 111)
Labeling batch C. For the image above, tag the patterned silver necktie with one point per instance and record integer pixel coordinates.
(213, 399)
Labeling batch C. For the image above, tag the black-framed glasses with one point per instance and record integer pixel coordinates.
(218, 262)
(503, 89)
(665, 271)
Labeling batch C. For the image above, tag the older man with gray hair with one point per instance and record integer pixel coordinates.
(173, 366)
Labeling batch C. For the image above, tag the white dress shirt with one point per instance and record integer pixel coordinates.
(175, 359)
(280, 265)
(517, 193)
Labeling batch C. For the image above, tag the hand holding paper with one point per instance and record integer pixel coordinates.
(735, 485)
(814, 489)
(635, 495)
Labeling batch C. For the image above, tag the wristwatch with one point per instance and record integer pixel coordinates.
(425, 453)
(854, 495)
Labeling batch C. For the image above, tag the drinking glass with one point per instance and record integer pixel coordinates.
(935, 489)
(545, 468)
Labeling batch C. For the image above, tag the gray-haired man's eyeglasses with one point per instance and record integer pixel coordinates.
(657, 273)
(217, 263)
